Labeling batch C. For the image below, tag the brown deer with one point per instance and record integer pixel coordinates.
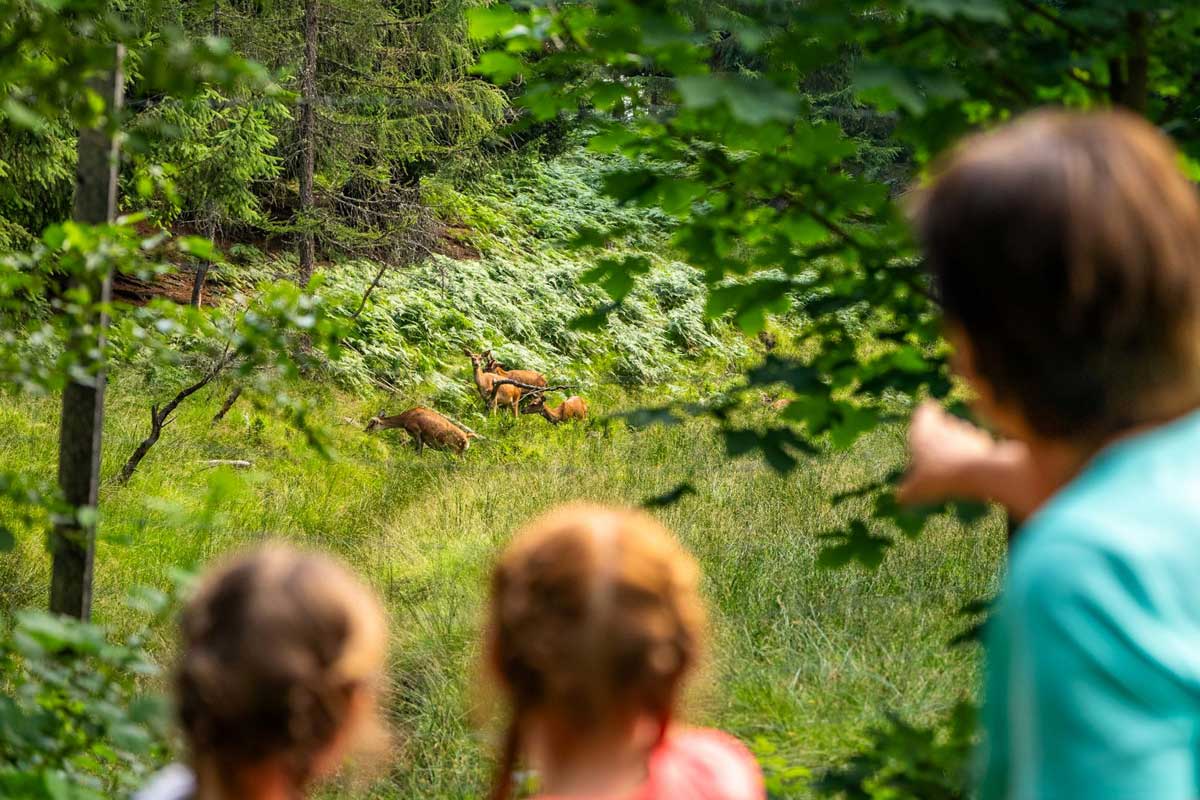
(574, 407)
(526, 376)
(505, 394)
(426, 427)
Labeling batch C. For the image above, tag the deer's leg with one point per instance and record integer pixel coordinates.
(418, 443)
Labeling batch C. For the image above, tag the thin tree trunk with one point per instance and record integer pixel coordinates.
(73, 539)
(1129, 78)
(367, 295)
(308, 93)
(160, 418)
(228, 404)
(1138, 72)
(202, 268)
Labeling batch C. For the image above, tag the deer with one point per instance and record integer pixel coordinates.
(526, 376)
(426, 426)
(574, 407)
(505, 394)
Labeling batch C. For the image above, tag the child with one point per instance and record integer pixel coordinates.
(595, 623)
(276, 684)
(1066, 251)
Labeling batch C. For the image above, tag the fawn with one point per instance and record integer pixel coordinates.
(574, 407)
(426, 426)
(505, 394)
(526, 376)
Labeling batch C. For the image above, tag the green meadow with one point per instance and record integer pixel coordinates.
(803, 659)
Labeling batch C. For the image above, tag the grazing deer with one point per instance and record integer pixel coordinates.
(574, 407)
(526, 376)
(505, 394)
(426, 426)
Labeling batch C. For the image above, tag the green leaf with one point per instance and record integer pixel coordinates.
(21, 115)
(801, 377)
(500, 67)
(617, 276)
(882, 81)
(753, 101)
(7, 540)
(491, 21)
(852, 422)
(197, 247)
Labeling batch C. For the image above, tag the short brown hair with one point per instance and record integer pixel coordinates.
(275, 643)
(595, 615)
(1067, 246)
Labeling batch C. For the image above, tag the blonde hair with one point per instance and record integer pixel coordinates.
(276, 643)
(595, 615)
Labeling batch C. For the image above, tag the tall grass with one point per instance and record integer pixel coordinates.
(803, 658)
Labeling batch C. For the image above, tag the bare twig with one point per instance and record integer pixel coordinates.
(530, 387)
(383, 268)
(161, 417)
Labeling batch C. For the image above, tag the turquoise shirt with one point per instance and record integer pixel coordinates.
(1092, 679)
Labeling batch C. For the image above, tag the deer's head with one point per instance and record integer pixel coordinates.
(476, 358)
(375, 422)
(492, 363)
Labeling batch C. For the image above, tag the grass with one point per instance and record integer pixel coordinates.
(803, 658)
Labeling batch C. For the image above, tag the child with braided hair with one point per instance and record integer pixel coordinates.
(595, 622)
(277, 678)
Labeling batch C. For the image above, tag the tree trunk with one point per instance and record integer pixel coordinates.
(308, 93)
(1129, 78)
(1138, 70)
(73, 539)
(228, 404)
(198, 283)
(202, 267)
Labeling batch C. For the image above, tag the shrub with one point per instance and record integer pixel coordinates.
(75, 723)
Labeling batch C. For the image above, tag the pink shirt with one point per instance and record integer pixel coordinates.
(698, 764)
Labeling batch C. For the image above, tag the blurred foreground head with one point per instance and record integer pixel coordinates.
(595, 620)
(1065, 248)
(280, 664)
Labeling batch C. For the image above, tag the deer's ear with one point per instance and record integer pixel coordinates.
(486, 354)
(467, 351)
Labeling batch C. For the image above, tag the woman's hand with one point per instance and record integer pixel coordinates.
(950, 459)
(945, 455)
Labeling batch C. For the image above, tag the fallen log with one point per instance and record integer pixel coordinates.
(236, 463)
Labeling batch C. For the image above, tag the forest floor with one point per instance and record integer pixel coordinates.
(803, 660)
